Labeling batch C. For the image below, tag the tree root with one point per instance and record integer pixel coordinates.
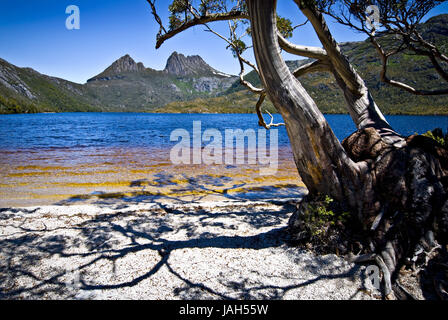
(373, 257)
(386, 262)
(405, 204)
(388, 293)
(401, 293)
(402, 213)
(368, 257)
(440, 289)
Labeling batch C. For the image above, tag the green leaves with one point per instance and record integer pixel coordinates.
(179, 6)
(238, 47)
(320, 216)
(175, 22)
(284, 26)
(211, 6)
(179, 13)
(438, 136)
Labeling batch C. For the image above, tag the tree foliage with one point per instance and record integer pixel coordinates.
(397, 29)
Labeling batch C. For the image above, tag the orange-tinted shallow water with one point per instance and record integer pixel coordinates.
(99, 157)
(80, 175)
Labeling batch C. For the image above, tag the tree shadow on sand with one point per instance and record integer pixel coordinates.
(87, 256)
(196, 187)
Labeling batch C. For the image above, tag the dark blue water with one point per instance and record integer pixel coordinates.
(83, 130)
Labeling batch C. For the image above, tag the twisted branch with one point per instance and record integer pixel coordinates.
(315, 66)
(304, 51)
(232, 15)
(384, 78)
(261, 121)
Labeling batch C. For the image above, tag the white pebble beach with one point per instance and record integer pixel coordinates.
(207, 250)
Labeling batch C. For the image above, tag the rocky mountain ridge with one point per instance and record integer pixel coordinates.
(180, 65)
(126, 85)
(122, 65)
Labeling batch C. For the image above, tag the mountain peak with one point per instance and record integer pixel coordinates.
(125, 64)
(121, 65)
(180, 65)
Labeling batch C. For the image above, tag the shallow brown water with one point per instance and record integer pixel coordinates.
(38, 177)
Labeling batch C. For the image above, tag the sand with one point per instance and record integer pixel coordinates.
(205, 250)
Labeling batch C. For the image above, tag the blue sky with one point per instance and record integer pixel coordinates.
(33, 34)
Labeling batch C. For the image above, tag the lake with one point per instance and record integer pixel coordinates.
(95, 130)
(71, 158)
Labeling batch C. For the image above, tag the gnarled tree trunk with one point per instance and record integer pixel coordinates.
(396, 187)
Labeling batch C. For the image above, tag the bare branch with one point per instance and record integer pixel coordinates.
(232, 15)
(245, 83)
(304, 51)
(432, 54)
(315, 66)
(193, 11)
(261, 121)
(430, 46)
(301, 24)
(383, 75)
(272, 124)
(401, 21)
(242, 61)
(339, 61)
(157, 18)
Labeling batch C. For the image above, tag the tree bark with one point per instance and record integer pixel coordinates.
(320, 158)
(360, 104)
(396, 187)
